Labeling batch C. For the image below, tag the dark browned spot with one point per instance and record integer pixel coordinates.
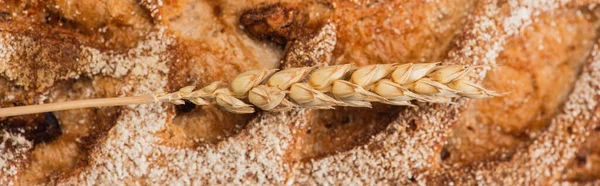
(187, 107)
(570, 130)
(277, 22)
(283, 22)
(4, 16)
(581, 157)
(470, 128)
(444, 154)
(218, 10)
(39, 128)
(412, 125)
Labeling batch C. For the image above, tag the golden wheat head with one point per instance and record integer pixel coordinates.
(338, 85)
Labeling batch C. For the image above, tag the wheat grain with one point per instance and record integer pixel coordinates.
(370, 74)
(312, 87)
(266, 98)
(410, 72)
(247, 80)
(285, 78)
(322, 78)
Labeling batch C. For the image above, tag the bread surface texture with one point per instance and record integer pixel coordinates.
(544, 55)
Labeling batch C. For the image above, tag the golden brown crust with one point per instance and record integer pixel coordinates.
(538, 67)
(549, 153)
(165, 45)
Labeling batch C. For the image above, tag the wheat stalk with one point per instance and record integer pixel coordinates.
(309, 87)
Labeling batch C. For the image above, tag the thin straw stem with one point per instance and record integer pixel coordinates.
(103, 102)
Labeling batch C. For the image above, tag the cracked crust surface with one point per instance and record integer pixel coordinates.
(84, 52)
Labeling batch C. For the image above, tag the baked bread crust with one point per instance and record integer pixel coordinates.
(153, 144)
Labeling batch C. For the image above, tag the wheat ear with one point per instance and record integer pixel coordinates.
(309, 87)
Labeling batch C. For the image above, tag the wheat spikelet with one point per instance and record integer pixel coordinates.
(309, 87)
(341, 85)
